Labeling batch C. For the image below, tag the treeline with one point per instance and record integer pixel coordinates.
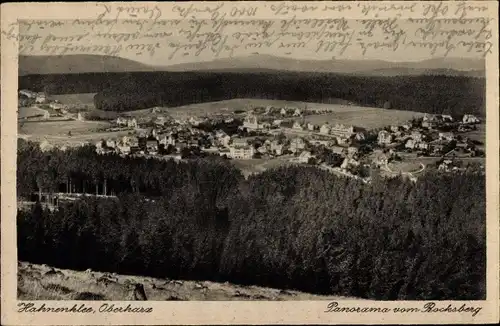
(293, 227)
(133, 91)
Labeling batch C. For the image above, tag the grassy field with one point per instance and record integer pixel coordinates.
(368, 118)
(229, 106)
(56, 132)
(34, 284)
(479, 134)
(26, 112)
(75, 99)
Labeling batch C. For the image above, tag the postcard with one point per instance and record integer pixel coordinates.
(281, 162)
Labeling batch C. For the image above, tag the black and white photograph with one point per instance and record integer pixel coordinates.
(198, 153)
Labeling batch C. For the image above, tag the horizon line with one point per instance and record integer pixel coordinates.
(251, 55)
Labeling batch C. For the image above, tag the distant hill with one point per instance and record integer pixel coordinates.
(66, 64)
(446, 66)
(74, 64)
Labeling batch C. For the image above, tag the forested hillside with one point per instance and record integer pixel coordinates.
(139, 90)
(293, 227)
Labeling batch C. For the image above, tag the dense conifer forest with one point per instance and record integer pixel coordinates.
(139, 90)
(294, 227)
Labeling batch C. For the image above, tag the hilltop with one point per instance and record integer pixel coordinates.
(76, 64)
(34, 283)
(260, 62)
(71, 64)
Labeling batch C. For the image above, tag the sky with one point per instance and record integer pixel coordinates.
(169, 43)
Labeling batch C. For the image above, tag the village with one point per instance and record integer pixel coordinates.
(282, 135)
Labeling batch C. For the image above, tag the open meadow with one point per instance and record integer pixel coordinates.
(363, 117)
(57, 132)
(40, 282)
(240, 104)
(75, 99)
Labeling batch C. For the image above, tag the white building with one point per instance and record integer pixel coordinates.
(446, 136)
(241, 152)
(342, 130)
(40, 98)
(325, 129)
(251, 122)
(470, 119)
(297, 112)
(132, 123)
(384, 137)
(297, 126)
(297, 145)
(305, 156)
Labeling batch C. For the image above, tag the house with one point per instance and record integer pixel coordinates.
(297, 126)
(304, 157)
(277, 122)
(283, 112)
(423, 145)
(297, 144)
(152, 145)
(40, 98)
(124, 149)
(470, 119)
(262, 149)
(348, 162)
(193, 142)
(429, 117)
(133, 141)
(417, 135)
(428, 124)
(297, 112)
(195, 121)
(384, 137)
(276, 147)
(180, 146)
(241, 152)
(411, 143)
(437, 147)
(45, 146)
(447, 117)
(251, 122)
(342, 140)
(339, 150)
(359, 136)
(160, 121)
(121, 121)
(239, 142)
(27, 93)
(310, 127)
(351, 151)
(342, 130)
(325, 129)
(80, 117)
(380, 158)
(57, 106)
(110, 143)
(394, 128)
(46, 115)
(317, 142)
(166, 140)
(446, 136)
